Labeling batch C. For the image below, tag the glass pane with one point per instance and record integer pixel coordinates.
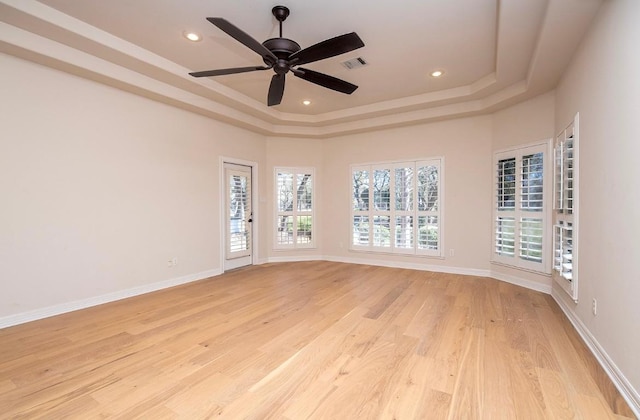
(237, 196)
(304, 188)
(557, 248)
(381, 231)
(567, 251)
(531, 239)
(505, 236)
(404, 232)
(361, 230)
(531, 183)
(404, 189)
(361, 190)
(381, 186)
(428, 232)
(428, 188)
(303, 233)
(558, 177)
(285, 192)
(507, 184)
(285, 230)
(238, 213)
(568, 173)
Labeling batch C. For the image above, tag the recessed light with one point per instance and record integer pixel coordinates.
(437, 73)
(306, 102)
(192, 36)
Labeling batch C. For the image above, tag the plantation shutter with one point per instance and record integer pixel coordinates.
(519, 208)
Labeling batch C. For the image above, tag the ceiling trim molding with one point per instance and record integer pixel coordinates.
(36, 32)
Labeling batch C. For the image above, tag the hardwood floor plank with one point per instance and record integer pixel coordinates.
(558, 397)
(383, 304)
(309, 340)
(367, 385)
(468, 392)
(527, 390)
(499, 400)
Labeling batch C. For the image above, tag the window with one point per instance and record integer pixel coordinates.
(396, 207)
(565, 184)
(294, 212)
(520, 209)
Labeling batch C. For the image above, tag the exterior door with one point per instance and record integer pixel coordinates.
(238, 216)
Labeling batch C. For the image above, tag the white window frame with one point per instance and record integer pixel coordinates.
(295, 212)
(393, 213)
(518, 214)
(565, 209)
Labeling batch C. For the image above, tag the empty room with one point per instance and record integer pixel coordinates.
(319, 210)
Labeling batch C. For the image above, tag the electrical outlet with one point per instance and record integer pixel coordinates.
(172, 262)
(452, 252)
(594, 306)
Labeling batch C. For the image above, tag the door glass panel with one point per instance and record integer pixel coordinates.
(238, 222)
(238, 213)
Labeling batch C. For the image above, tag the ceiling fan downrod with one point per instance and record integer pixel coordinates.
(280, 13)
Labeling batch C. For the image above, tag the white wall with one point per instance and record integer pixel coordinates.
(100, 188)
(603, 85)
(527, 122)
(465, 145)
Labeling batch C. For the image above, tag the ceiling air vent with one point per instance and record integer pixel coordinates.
(354, 63)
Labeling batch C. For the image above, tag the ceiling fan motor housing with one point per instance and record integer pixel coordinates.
(281, 48)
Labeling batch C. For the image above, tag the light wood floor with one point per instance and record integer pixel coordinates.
(309, 340)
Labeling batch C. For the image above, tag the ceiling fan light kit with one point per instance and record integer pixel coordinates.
(284, 55)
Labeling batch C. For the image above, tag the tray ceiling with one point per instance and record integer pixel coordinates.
(493, 53)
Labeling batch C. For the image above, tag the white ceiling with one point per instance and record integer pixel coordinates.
(494, 53)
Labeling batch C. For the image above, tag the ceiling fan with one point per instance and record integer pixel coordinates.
(284, 55)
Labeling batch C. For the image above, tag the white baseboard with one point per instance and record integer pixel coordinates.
(409, 266)
(392, 264)
(528, 284)
(49, 311)
(533, 285)
(296, 259)
(628, 392)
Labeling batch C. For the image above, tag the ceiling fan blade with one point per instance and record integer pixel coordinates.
(244, 38)
(325, 49)
(222, 72)
(276, 90)
(325, 80)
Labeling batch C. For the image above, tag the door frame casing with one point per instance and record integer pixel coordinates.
(254, 206)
